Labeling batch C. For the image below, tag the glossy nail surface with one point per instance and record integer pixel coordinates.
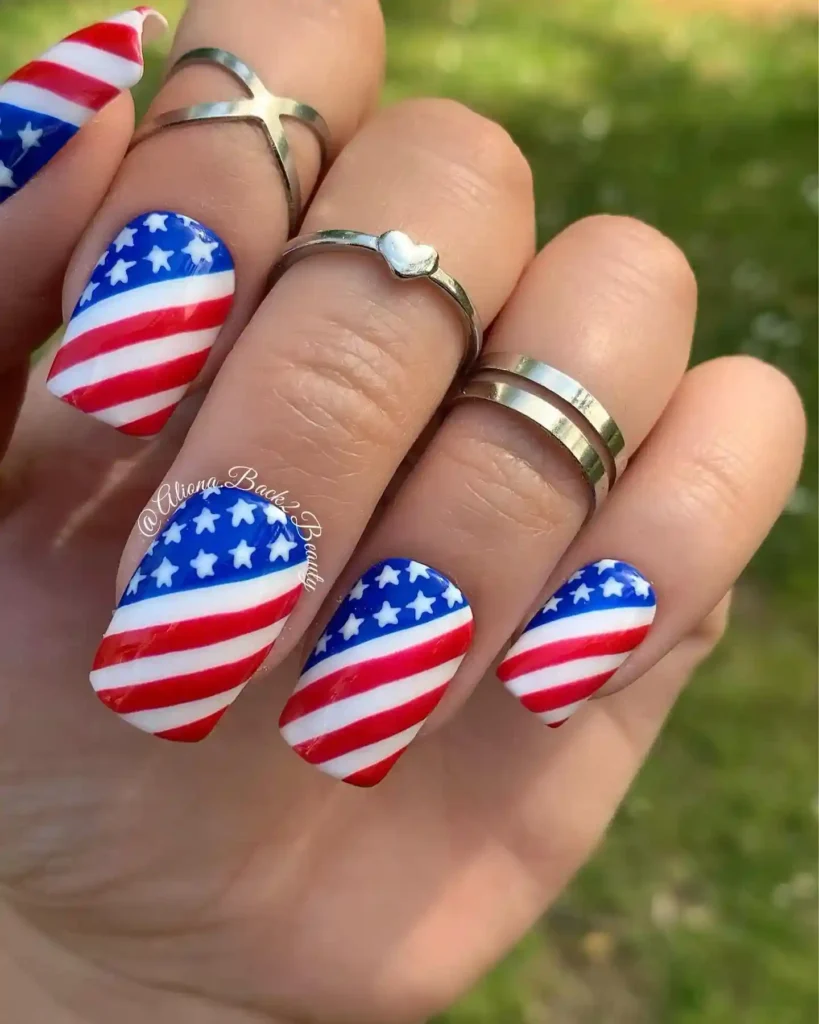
(45, 103)
(145, 323)
(579, 639)
(381, 667)
(200, 614)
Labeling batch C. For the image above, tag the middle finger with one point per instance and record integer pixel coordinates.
(328, 388)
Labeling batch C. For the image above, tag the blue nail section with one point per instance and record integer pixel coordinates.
(381, 667)
(201, 613)
(579, 638)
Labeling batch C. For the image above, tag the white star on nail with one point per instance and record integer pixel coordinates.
(321, 646)
(88, 294)
(136, 579)
(351, 627)
(242, 554)
(387, 616)
(242, 512)
(452, 595)
(583, 593)
(125, 239)
(200, 251)
(208, 491)
(642, 588)
(387, 575)
(273, 514)
(156, 222)
(575, 576)
(152, 548)
(158, 258)
(206, 520)
(551, 604)
(605, 563)
(103, 259)
(6, 177)
(281, 548)
(164, 574)
(422, 605)
(358, 590)
(416, 569)
(173, 535)
(118, 274)
(30, 136)
(203, 563)
(612, 587)
(187, 221)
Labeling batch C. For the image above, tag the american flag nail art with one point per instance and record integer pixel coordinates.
(579, 639)
(45, 103)
(381, 667)
(143, 327)
(200, 614)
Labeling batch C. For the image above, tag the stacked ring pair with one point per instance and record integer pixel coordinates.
(556, 403)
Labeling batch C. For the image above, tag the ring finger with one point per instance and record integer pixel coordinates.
(198, 214)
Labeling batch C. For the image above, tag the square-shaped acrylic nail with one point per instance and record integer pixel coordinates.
(201, 613)
(381, 667)
(44, 104)
(145, 323)
(579, 639)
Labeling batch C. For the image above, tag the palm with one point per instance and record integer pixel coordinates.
(230, 868)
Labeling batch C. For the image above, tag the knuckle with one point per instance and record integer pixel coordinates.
(470, 141)
(332, 16)
(640, 255)
(714, 481)
(344, 382)
(500, 493)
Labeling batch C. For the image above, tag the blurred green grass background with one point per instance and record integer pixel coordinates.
(701, 904)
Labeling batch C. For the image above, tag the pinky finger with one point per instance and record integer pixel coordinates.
(688, 515)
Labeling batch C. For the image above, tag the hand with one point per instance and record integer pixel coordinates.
(232, 881)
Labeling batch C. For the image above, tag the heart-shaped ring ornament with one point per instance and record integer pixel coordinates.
(407, 259)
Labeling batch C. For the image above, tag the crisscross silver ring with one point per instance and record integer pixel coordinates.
(263, 109)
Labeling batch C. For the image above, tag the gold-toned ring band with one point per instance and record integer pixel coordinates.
(263, 109)
(550, 419)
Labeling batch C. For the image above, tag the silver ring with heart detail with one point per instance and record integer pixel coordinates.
(406, 260)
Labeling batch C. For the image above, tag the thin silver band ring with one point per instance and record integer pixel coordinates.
(263, 109)
(566, 389)
(407, 261)
(550, 419)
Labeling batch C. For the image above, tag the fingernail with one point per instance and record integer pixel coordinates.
(200, 614)
(579, 639)
(45, 103)
(144, 325)
(381, 667)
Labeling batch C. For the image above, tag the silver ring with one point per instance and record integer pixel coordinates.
(550, 419)
(570, 391)
(407, 261)
(262, 109)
